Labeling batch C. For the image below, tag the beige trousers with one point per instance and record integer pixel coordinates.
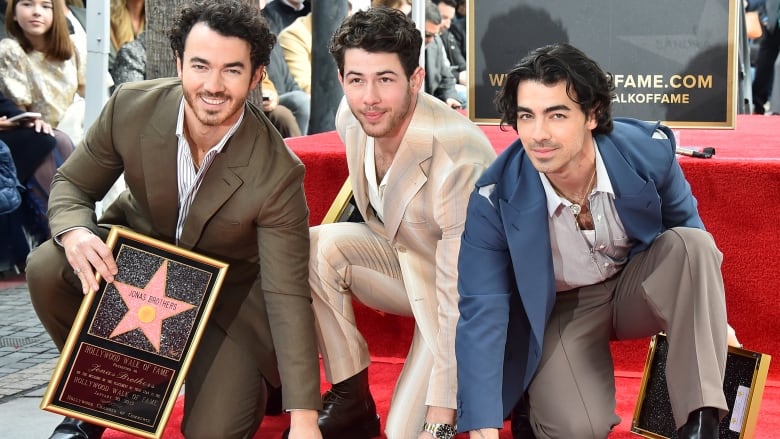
(349, 260)
(675, 286)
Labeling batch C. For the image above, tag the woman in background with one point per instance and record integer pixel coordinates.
(42, 72)
(42, 68)
(128, 20)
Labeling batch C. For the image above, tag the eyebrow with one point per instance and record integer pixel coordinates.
(379, 73)
(228, 65)
(547, 110)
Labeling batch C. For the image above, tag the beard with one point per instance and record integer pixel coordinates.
(212, 117)
(385, 128)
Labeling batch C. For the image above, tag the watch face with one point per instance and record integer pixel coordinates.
(444, 431)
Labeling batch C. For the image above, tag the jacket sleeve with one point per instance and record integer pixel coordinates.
(679, 207)
(485, 282)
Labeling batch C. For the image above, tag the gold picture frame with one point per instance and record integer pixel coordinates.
(746, 373)
(343, 208)
(125, 359)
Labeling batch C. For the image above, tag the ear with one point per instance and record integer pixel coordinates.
(417, 80)
(257, 77)
(178, 66)
(592, 122)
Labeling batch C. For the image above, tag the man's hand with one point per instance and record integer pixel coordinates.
(270, 100)
(87, 254)
(303, 425)
(484, 433)
(437, 415)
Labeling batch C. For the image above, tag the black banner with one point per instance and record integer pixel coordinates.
(672, 61)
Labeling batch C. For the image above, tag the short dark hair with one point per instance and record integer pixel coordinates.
(378, 30)
(230, 18)
(586, 83)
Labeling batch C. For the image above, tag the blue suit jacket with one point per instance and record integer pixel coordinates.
(506, 281)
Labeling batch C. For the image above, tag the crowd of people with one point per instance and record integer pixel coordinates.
(518, 270)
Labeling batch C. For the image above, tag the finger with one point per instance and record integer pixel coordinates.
(101, 258)
(83, 279)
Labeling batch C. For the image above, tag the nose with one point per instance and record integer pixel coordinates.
(371, 95)
(214, 83)
(540, 132)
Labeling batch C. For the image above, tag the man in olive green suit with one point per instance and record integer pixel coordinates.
(208, 172)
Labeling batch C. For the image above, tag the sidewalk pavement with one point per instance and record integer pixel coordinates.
(27, 360)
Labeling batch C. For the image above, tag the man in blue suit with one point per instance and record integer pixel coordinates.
(583, 231)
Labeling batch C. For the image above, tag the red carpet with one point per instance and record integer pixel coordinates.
(384, 371)
(738, 192)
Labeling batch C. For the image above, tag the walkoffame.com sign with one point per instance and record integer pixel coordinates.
(671, 60)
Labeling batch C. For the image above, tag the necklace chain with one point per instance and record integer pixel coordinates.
(576, 207)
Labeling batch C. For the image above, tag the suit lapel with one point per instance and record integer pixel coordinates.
(159, 146)
(354, 135)
(635, 197)
(527, 229)
(407, 174)
(222, 179)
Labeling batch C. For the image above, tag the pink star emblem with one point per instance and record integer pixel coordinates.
(148, 307)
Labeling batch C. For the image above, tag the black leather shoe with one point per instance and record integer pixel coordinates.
(349, 411)
(521, 423)
(71, 428)
(702, 424)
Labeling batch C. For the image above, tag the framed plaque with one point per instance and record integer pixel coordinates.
(746, 373)
(343, 208)
(131, 344)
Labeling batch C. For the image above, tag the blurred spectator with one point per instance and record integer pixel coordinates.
(281, 13)
(290, 93)
(128, 20)
(452, 47)
(404, 6)
(768, 49)
(279, 115)
(37, 151)
(130, 62)
(77, 20)
(3, 5)
(43, 71)
(13, 247)
(439, 81)
(295, 40)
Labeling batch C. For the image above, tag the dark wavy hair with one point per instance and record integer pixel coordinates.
(378, 30)
(586, 83)
(229, 18)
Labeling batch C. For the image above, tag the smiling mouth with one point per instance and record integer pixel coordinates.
(213, 100)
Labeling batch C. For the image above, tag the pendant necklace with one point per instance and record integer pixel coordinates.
(576, 207)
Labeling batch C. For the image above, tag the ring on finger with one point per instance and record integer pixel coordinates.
(77, 271)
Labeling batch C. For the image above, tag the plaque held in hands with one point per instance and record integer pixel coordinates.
(131, 344)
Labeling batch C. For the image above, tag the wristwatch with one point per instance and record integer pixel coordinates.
(439, 431)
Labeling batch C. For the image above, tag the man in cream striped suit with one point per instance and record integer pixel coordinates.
(412, 163)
